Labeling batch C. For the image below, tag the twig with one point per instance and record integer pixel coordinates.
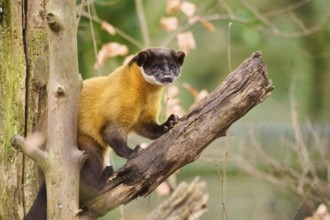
(223, 186)
(300, 145)
(171, 36)
(260, 17)
(302, 201)
(229, 47)
(122, 212)
(80, 9)
(31, 146)
(118, 31)
(94, 39)
(148, 206)
(296, 20)
(224, 179)
(143, 23)
(310, 30)
(263, 17)
(289, 8)
(187, 201)
(227, 8)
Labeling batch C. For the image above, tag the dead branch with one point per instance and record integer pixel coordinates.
(243, 89)
(188, 201)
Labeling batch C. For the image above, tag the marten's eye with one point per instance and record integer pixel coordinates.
(172, 67)
(155, 67)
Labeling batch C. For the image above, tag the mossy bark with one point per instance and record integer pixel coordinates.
(30, 51)
(23, 79)
(12, 102)
(37, 65)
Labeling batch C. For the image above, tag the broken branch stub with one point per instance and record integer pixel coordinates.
(243, 89)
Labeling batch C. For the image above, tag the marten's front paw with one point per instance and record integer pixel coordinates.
(125, 152)
(171, 121)
(108, 171)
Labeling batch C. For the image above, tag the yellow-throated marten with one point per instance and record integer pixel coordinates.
(110, 107)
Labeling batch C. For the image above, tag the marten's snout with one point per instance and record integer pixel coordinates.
(168, 79)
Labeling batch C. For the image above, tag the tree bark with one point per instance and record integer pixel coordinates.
(243, 89)
(63, 98)
(36, 79)
(64, 86)
(24, 76)
(12, 101)
(186, 202)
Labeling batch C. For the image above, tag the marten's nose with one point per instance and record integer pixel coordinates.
(168, 79)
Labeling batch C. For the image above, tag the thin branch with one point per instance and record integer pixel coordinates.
(288, 8)
(118, 31)
(269, 28)
(93, 37)
(172, 35)
(31, 147)
(143, 23)
(299, 22)
(224, 181)
(80, 8)
(229, 46)
(188, 201)
(308, 31)
(259, 16)
(302, 201)
(227, 8)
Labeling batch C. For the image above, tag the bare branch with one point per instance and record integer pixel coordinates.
(268, 27)
(93, 37)
(31, 146)
(121, 33)
(260, 17)
(299, 22)
(186, 202)
(244, 88)
(143, 23)
(288, 8)
(227, 8)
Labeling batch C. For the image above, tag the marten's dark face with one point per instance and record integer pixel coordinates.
(160, 66)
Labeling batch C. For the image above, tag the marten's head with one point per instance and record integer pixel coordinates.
(159, 66)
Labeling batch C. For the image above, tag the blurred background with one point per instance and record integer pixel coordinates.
(274, 162)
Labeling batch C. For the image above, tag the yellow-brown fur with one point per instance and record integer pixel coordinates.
(123, 98)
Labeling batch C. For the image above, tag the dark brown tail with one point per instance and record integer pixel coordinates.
(38, 211)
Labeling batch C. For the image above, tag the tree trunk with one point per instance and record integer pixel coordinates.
(37, 66)
(24, 71)
(12, 101)
(244, 88)
(63, 97)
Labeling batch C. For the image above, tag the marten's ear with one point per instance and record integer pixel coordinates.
(180, 55)
(142, 57)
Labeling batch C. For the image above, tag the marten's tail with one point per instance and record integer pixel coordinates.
(39, 207)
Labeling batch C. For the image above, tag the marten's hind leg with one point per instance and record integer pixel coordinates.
(93, 174)
(39, 208)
